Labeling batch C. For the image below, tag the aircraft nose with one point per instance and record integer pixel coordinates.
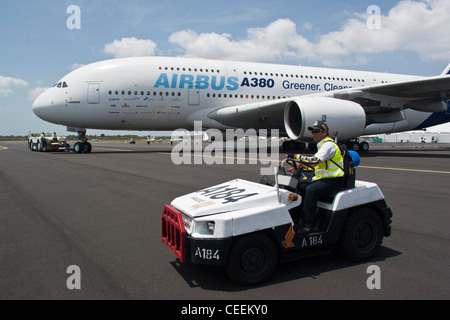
(43, 105)
(37, 105)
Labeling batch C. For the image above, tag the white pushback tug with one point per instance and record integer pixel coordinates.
(250, 227)
(47, 142)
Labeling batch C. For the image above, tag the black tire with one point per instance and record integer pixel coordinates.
(252, 260)
(78, 147)
(87, 147)
(362, 234)
(355, 146)
(364, 146)
(288, 145)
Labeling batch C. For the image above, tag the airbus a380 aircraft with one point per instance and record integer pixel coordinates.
(161, 93)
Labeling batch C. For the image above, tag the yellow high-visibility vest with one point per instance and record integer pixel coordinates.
(328, 169)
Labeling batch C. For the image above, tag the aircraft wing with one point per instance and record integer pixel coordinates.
(424, 95)
(428, 88)
(382, 103)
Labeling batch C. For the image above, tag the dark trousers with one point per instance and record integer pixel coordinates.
(311, 191)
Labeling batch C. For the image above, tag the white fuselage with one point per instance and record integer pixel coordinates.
(159, 93)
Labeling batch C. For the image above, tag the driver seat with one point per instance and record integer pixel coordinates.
(349, 179)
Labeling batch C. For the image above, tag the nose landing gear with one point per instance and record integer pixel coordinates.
(82, 146)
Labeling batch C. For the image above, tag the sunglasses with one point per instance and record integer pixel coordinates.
(316, 130)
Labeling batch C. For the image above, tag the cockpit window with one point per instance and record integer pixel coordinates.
(61, 85)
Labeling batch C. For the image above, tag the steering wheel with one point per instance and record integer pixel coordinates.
(297, 164)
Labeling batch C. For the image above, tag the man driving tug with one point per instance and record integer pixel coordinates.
(328, 165)
(249, 227)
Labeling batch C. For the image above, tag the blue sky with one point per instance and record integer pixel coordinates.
(38, 48)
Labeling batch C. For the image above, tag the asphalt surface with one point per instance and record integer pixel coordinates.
(101, 212)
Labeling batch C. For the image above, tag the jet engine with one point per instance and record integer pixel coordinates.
(344, 118)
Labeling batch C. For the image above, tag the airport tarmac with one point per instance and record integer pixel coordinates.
(101, 212)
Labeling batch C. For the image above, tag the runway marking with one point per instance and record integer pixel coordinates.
(112, 149)
(225, 157)
(401, 169)
(3, 148)
(365, 167)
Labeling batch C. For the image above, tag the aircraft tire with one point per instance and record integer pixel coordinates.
(355, 146)
(78, 147)
(87, 147)
(364, 146)
(288, 145)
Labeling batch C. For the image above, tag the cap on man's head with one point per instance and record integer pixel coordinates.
(318, 125)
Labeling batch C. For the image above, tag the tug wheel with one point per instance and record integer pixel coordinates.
(362, 234)
(252, 259)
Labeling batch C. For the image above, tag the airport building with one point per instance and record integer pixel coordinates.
(411, 137)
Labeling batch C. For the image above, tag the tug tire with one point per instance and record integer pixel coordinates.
(362, 234)
(252, 260)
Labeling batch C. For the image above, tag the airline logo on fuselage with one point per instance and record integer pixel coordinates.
(200, 82)
(182, 81)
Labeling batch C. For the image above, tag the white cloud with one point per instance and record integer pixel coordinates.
(8, 85)
(75, 66)
(34, 93)
(131, 47)
(418, 26)
(279, 40)
(308, 26)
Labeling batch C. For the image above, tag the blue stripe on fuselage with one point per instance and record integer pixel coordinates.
(437, 118)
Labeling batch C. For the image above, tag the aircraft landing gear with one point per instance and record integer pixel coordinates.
(82, 146)
(355, 145)
(289, 145)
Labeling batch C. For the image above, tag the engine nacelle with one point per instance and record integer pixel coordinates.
(346, 117)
